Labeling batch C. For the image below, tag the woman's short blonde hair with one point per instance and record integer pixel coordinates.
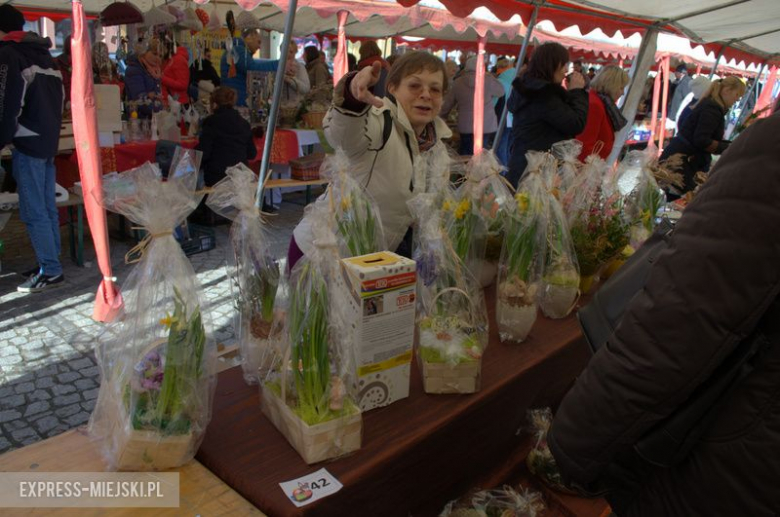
(610, 80)
(731, 82)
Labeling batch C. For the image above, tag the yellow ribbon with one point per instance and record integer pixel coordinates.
(136, 253)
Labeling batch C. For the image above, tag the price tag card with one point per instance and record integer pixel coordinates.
(309, 488)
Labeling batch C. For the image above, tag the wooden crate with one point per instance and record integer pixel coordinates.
(448, 378)
(318, 442)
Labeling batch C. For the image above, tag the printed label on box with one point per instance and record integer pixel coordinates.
(380, 290)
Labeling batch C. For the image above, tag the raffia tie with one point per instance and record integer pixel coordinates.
(137, 252)
(494, 173)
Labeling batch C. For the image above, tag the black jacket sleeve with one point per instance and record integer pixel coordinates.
(206, 140)
(12, 87)
(251, 149)
(705, 293)
(709, 127)
(570, 115)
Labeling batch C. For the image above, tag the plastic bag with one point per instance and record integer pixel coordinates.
(451, 316)
(309, 395)
(567, 153)
(499, 502)
(643, 196)
(559, 288)
(492, 194)
(466, 227)
(594, 210)
(523, 253)
(357, 219)
(157, 361)
(252, 268)
(540, 461)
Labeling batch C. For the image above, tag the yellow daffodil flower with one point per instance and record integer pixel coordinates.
(462, 209)
(523, 202)
(168, 320)
(346, 202)
(446, 206)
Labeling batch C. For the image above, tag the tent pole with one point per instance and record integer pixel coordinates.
(665, 99)
(278, 85)
(479, 98)
(640, 67)
(744, 99)
(717, 60)
(520, 58)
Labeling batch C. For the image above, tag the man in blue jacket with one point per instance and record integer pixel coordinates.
(31, 102)
(243, 50)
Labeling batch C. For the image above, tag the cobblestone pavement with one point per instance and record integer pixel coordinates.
(48, 375)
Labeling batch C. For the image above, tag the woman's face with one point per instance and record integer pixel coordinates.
(560, 74)
(420, 96)
(291, 51)
(730, 96)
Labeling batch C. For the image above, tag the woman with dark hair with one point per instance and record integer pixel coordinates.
(319, 75)
(544, 112)
(226, 138)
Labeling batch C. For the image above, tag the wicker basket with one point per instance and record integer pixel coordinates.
(306, 167)
(288, 115)
(318, 442)
(313, 119)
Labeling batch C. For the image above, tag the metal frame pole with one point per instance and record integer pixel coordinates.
(717, 60)
(278, 85)
(518, 66)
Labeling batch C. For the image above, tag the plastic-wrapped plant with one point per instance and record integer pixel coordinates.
(522, 256)
(357, 221)
(157, 360)
(253, 270)
(452, 318)
(598, 225)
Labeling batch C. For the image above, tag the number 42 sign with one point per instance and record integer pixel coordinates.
(309, 488)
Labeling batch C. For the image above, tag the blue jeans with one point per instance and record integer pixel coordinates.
(502, 149)
(35, 180)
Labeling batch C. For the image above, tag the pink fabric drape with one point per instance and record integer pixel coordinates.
(479, 96)
(698, 69)
(662, 129)
(108, 301)
(656, 100)
(340, 63)
(766, 94)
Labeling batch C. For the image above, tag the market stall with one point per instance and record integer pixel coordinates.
(417, 453)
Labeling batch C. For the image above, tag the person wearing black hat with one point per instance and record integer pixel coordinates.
(31, 102)
(682, 89)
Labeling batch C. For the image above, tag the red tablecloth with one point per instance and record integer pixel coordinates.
(133, 154)
(284, 148)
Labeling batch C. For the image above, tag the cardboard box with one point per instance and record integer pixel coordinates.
(379, 290)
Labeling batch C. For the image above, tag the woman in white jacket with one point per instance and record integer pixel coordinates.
(382, 138)
(296, 78)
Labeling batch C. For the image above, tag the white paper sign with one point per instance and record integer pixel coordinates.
(311, 487)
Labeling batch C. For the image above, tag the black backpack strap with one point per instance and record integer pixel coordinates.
(387, 129)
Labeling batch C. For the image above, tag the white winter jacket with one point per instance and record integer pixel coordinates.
(390, 183)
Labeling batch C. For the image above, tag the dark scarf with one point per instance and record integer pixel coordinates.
(427, 139)
(613, 113)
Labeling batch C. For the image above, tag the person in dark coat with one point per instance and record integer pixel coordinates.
(717, 282)
(701, 134)
(544, 111)
(31, 103)
(143, 78)
(226, 139)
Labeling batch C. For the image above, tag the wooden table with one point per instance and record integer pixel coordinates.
(201, 492)
(278, 183)
(418, 453)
